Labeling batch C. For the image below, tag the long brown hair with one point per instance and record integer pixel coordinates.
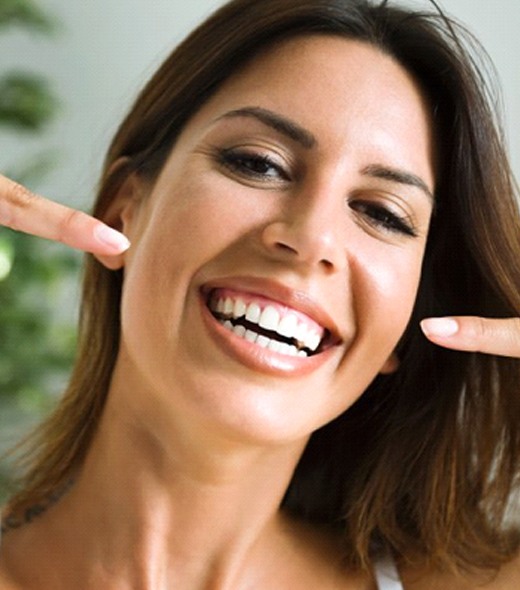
(425, 462)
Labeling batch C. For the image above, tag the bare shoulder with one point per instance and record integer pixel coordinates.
(507, 578)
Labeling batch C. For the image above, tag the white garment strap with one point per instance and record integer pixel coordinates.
(387, 576)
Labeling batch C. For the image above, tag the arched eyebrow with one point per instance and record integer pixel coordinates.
(306, 139)
(398, 176)
(277, 122)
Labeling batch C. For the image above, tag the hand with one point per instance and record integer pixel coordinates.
(22, 210)
(490, 336)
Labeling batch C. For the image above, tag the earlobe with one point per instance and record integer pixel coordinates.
(120, 214)
(391, 365)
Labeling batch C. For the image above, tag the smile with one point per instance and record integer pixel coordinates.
(269, 325)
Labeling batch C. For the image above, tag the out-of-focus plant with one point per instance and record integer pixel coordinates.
(36, 278)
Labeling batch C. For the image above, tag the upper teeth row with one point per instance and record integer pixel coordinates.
(270, 319)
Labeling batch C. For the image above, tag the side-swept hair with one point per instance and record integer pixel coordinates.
(425, 462)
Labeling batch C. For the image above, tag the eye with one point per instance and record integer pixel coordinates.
(252, 165)
(382, 217)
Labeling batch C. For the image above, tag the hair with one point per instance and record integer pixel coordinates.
(425, 462)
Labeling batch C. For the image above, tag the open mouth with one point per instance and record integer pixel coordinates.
(268, 325)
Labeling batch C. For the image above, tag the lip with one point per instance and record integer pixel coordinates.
(261, 359)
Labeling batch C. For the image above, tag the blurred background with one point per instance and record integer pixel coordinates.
(69, 69)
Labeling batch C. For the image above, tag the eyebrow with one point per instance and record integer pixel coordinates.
(398, 176)
(277, 122)
(305, 138)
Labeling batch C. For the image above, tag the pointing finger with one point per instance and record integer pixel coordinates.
(490, 336)
(22, 210)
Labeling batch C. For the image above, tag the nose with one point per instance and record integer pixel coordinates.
(309, 233)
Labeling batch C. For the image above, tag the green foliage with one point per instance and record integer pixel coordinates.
(37, 343)
(25, 13)
(37, 278)
(26, 101)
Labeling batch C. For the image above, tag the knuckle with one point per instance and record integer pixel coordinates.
(20, 196)
(14, 197)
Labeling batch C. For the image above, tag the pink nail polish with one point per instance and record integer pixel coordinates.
(441, 327)
(112, 238)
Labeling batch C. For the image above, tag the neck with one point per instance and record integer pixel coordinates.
(184, 507)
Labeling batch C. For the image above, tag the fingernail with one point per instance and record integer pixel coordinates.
(111, 237)
(441, 327)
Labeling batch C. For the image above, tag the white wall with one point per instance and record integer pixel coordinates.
(107, 48)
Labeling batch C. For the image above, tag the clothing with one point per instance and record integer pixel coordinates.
(387, 576)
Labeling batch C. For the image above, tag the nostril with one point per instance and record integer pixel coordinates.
(286, 247)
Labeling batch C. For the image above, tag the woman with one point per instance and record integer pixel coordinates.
(254, 404)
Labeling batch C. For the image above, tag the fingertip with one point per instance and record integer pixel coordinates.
(439, 327)
(111, 239)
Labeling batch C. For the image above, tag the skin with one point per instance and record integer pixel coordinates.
(198, 441)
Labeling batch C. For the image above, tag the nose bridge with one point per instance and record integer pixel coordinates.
(309, 228)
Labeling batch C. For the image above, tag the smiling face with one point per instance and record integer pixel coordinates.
(276, 259)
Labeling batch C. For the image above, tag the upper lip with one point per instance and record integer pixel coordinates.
(279, 293)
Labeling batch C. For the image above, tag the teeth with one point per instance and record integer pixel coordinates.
(313, 341)
(269, 318)
(263, 341)
(251, 336)
(287, 326)
(239, 309)
(253, 313)
(228, 306)
(239, 331)
(274, 345)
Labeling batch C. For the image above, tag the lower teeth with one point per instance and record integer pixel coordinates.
(263, 341)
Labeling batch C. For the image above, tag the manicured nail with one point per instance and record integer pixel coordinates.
(441, 327)
(112, 238)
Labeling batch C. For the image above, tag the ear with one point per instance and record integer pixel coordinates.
(121, 212)
(391, 365)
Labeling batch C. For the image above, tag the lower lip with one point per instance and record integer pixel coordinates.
(257, 358)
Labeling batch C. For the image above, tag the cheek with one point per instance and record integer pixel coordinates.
(386, 291)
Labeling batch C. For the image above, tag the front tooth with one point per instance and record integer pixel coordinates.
(274, 345)
(288, 326)
(251, 336)
(239, 330)
(270, 318)
(293, 351)
(253, 313)
(262, 341)
(220, 306)
(228, 306)
(284, 348)
(239, 309)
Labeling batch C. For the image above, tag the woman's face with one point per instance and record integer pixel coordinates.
(275, 261)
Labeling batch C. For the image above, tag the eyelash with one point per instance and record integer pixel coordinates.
(381, 216)
(254, 166)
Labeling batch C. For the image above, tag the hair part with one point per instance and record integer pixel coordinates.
(424, 464)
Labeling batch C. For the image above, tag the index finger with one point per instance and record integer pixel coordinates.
(476, 334)
(23, 210)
